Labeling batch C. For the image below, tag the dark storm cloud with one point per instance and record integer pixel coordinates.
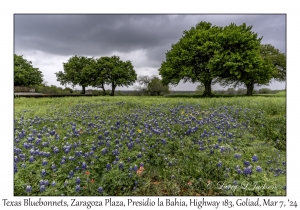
(91, 34)
(99, 35)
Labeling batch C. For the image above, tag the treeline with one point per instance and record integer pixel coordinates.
(142, 91)
(243, 91)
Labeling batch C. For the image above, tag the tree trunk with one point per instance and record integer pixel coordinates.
(104, 93)
(83, 90)
(113, 87)
(250, 87)
(207, 91)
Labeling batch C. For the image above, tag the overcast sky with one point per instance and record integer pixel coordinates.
(50, 40)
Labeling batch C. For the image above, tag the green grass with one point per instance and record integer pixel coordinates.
(177, 160)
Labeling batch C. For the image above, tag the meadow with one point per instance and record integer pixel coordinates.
(146, 146)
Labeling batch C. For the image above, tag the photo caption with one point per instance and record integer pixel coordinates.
(198, 203)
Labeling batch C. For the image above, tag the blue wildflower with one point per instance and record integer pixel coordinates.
(246, 163)
(248, 171)
(100, 190)
(130, 145)
(16, 159)
(237, 156)
(108, 167)
(222, 149)
(77, 180)
(83, 166)
(44, 162)
(254, 158)
(28, 188)
(77, 188)
(43, 172)
(42, 188)
(258, 169)
(71, 174)
(121, 165)
(53, 167)
(104, 151)
(15, 168)
(55, 150)
(31, 159)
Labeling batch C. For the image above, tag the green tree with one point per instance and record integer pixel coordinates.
(156, 87)
(265, 91)
(97, 73)
(277, 59)
(74, 72)
(230, 91)
(188, 59)
(241, 91)
(25, 74)
(152, 86)
(200, 89)
(144, 81)
(67, 89)
(240, 59)
(117, 72)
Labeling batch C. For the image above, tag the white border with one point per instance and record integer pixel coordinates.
(8, 8)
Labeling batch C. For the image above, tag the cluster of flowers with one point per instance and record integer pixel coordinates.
(94, 133)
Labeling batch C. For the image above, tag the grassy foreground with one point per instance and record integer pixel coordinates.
(150, 146)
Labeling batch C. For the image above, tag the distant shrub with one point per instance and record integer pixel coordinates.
(281, 93)
(241, 91)
(265, 91)
(230, 91)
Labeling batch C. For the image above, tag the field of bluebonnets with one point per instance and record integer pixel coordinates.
(150, 146)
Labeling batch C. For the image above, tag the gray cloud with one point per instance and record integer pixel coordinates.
(143, 38)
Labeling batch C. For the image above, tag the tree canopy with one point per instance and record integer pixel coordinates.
(117, 72)
(74, 72)
(240, 57)
(24, 73)
(188, 59)
(277, 59)
(152, 86)
(208, 54)
(272, 66)
(96, 71)
(83, 71)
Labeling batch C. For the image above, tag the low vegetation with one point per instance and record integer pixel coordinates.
(150, 146)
